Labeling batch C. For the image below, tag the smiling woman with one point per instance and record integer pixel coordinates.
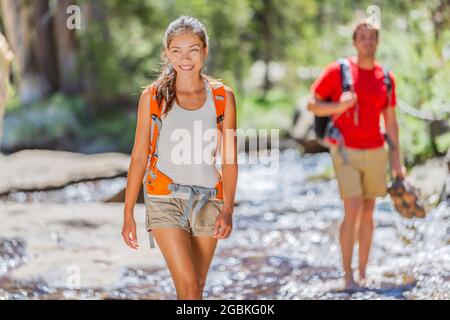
(189, 205)
(192, 50)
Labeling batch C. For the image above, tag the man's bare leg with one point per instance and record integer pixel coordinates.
(353, 207)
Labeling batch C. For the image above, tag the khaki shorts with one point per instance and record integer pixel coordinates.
(167, 213)
(365, 173)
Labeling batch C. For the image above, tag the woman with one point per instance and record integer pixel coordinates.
(189, 205)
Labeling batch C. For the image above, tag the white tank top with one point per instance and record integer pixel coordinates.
(187, 144)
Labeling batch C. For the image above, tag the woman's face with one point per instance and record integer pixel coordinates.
(186, 53)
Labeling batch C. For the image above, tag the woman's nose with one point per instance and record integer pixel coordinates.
(186, 55)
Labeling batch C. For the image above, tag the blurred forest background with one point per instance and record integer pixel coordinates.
(78, 90)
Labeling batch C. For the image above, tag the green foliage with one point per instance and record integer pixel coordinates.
(443, 143)
(42, 122)
(122, 54)
(62, 122)
(273, 111)
(118, 128)
(12, 98)
(414, 139)
(327, 174)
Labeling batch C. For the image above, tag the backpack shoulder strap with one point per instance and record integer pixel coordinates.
(220, 101)
(388, 82)
(154, 105)
(346, 74)
(155, 120)
(387, 79)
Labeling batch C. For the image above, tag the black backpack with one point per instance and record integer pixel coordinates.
(323, 124)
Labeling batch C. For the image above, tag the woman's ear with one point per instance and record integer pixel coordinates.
(206, 52)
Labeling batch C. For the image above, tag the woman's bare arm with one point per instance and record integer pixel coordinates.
(136, 169)
(224, 221)
(229, 151)
(139, 155)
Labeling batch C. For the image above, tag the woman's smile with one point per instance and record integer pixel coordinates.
(186, 67)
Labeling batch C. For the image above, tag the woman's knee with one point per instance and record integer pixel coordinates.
(202, 285)
(190, 288)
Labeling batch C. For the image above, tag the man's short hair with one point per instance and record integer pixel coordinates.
(366, 24)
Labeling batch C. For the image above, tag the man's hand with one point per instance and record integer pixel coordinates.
(347, 100)
(398, 171)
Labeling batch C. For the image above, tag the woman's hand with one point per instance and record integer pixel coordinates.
(129, 232)
(224, 223)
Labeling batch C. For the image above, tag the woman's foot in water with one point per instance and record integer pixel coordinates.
(363, 281)
(350, 284)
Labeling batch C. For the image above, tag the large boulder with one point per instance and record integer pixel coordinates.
(430, 178)
(32, 170)
(61, 239)
(302, 129)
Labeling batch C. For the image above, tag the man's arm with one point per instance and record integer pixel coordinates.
(322, 108)
(391, 125)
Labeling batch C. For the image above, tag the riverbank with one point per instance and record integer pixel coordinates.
(70, 246)
(284, 245)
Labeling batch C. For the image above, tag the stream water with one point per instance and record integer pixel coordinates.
(284, 244)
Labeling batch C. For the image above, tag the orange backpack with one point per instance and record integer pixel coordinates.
(157, 183)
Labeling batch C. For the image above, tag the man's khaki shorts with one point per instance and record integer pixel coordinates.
(365, 173)
(167, 213)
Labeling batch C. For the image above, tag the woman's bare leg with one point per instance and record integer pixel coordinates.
(175, 245)
(203, 249)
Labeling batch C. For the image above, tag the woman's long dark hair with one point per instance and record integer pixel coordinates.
(165, 83)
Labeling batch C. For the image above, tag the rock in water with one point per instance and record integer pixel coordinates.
(32, 170)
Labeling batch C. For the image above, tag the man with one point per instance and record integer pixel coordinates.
(360, 161)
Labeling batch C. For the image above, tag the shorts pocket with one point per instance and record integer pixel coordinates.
(160, 210)
(207, 215)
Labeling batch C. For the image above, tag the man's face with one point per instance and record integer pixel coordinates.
(366, 41)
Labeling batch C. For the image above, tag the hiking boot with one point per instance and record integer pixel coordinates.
(406, 199)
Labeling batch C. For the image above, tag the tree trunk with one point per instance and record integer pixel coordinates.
(94, 25)
(267, 36)
(45, 45)
(18, 20)
(440, 19)
(6, 57)
(66, 43)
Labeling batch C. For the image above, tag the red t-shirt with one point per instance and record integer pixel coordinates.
(372, 99)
